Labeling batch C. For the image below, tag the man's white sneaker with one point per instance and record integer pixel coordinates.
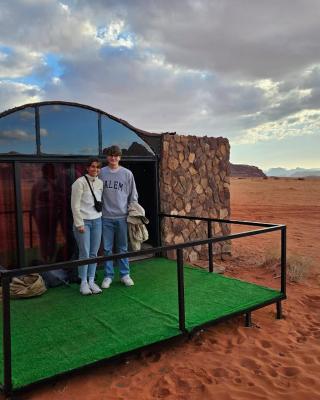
(85, 289)
(106, 283)
(127, 280)
(94, 288)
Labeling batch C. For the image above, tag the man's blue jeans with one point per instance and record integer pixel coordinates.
(115, 232)
(88, 244)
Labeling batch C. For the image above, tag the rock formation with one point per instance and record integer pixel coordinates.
(246, 171)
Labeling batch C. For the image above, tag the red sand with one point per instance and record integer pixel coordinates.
(274, 359)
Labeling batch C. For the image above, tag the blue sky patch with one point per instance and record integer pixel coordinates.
(53, 61)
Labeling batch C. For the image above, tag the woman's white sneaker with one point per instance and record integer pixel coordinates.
(85, 289)
(94, 288)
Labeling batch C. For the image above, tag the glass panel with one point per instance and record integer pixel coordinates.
(68, 130)
(80, 170)
(8, 247)
(115, 133)
(46, 193)
(17, 132)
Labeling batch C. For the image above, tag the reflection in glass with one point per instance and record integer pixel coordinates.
(8, 248)
(17, 132)
(80, 170)
(46, 194)
(130, 143)
(68, 130)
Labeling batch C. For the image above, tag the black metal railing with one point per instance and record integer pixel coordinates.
(7, 274)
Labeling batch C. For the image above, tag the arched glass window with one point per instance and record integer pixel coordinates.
(18, 133)
(115, 133)
(68, 130)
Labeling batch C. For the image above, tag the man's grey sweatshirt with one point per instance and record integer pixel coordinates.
(119, 190)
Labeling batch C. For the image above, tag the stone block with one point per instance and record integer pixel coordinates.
(173, 163)
(223, 213)
(191, 157)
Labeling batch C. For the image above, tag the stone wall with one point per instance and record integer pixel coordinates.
(194, 180)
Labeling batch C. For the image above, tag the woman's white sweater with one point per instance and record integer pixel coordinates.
(82, 202)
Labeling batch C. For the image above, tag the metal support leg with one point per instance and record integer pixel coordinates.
(180, 277)
(279, 310)
(248, 322)
(6, 333)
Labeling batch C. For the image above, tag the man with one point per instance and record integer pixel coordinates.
(119, 190)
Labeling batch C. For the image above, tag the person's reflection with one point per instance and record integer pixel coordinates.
(44, 208)
(63, 185)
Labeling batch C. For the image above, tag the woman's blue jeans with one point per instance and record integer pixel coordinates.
(115, 233)
(88, 244)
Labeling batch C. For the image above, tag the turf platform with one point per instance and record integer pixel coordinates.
(62, 330)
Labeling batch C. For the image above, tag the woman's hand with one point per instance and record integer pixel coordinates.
(81, 229)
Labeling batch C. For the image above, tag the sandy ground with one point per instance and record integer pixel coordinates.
(274, 359)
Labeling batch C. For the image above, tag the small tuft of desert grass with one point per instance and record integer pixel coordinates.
(271, 257)
(298, 266)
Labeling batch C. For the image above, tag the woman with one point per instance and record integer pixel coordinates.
(87, 223)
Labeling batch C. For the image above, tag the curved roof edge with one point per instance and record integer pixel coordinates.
(153, 139)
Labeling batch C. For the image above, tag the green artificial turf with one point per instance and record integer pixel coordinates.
(62, 330)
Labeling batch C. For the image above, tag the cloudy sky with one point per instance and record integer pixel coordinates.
(248, 70)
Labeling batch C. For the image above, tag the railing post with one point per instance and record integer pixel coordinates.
(283, 259)
(158, 230)
(180, 277)
(6, 335)
(210, 245)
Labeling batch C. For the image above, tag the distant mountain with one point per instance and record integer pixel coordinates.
(245, 171)
(294, 173)
(277, 172)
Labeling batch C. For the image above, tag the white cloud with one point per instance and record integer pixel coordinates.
(46, 26)
(17, 134)
(44, 132)
(20, 62)
(114, 35)
(303, 123)
(56, 80)
(13, 94)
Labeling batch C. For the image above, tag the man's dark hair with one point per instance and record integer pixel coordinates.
(112, 151)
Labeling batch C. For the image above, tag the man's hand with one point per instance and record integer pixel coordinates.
(81, 229)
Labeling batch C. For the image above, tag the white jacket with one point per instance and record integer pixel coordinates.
(82, 202)
(136, 225)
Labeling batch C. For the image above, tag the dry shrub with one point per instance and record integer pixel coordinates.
(271, 257)
(298, 267)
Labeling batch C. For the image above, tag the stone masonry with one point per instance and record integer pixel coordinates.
(195, 180)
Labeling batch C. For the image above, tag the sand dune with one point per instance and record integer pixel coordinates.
(274, 359)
